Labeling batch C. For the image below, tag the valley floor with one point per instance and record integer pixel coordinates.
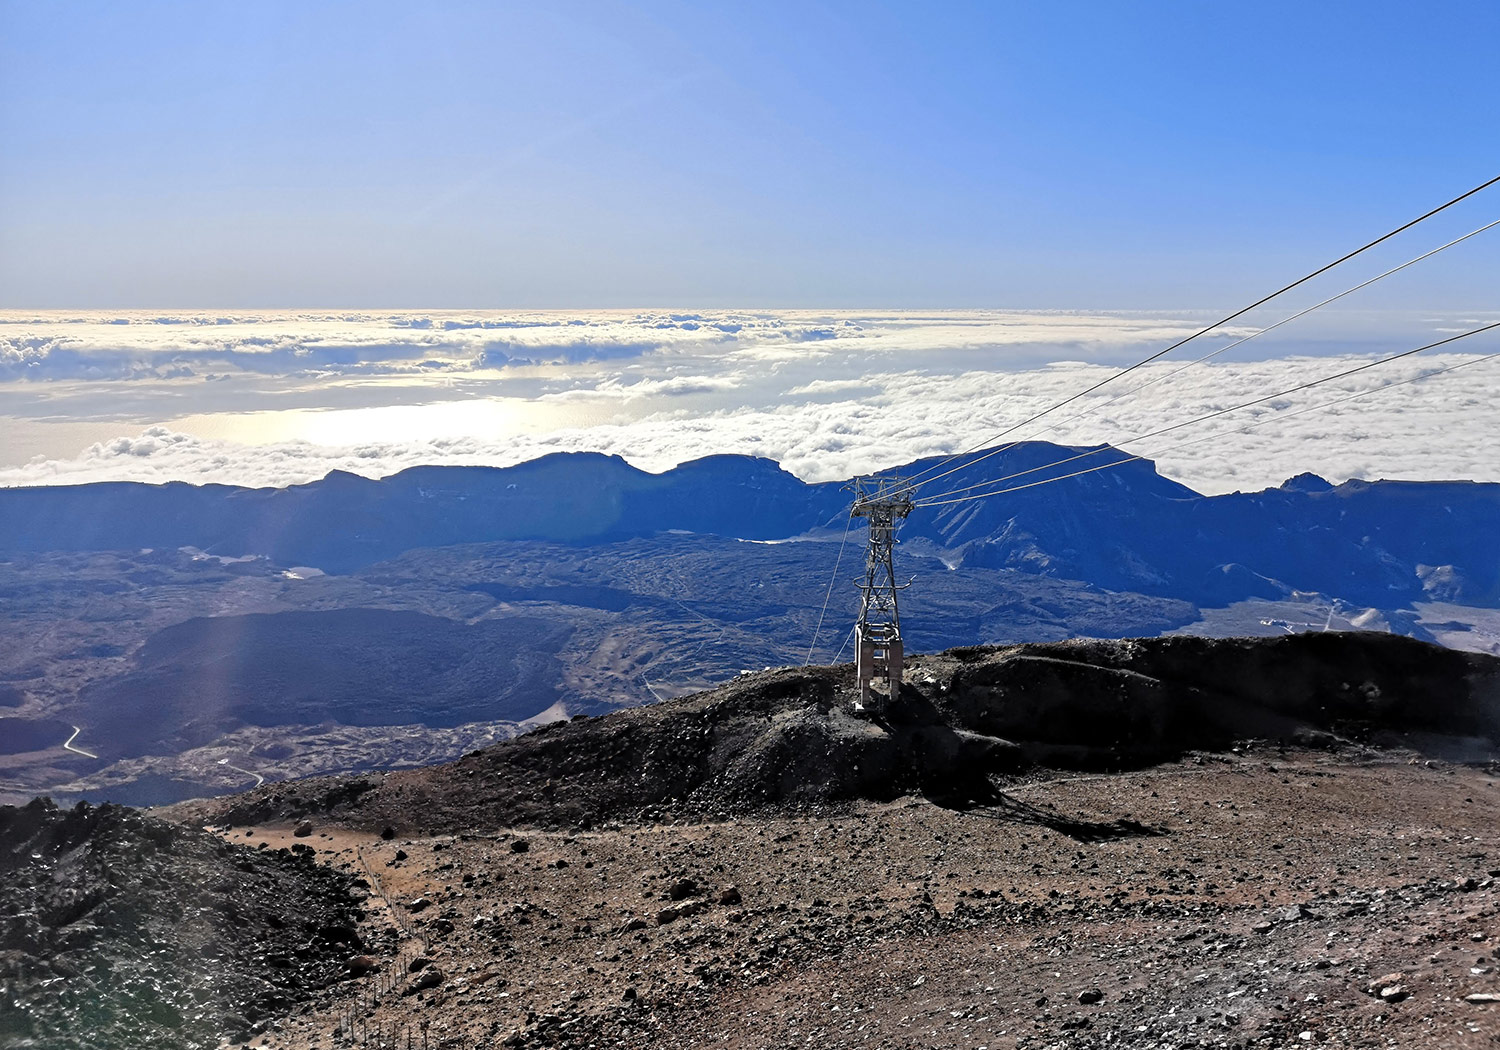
(1264, 898)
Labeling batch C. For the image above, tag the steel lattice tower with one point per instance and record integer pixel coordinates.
(883, 500)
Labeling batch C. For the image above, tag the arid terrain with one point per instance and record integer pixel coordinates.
(1153, 843)
(1237, 900)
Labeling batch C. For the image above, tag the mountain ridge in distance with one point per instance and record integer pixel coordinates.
(1125, 528)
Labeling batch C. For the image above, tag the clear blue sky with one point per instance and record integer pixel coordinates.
(1046, 154)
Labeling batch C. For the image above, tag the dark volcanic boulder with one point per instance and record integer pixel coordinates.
(1120, 703)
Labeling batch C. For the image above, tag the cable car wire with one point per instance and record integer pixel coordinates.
(1242, 340)
(941, 498)
(1278, 417)
(831, 580)
(915, 481)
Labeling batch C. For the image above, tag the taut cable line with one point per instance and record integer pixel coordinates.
(1278, 417)
(1238, 342)
(916, 481)
(941, 499)
(836, 563)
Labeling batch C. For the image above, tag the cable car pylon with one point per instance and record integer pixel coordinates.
(884, 500)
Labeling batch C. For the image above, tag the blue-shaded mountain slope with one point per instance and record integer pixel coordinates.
(1125, 528)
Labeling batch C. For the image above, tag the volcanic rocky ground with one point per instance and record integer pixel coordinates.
(1166, 842)
(119, 930)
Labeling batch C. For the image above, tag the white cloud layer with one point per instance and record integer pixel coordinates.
(275, 399)
(145, 346)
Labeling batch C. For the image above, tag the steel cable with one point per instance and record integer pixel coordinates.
(916, 482)
(831, 580)
(940, 499)
(1239, 342)
(1240, 430)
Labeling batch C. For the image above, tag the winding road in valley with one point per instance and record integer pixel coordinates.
(68, 745)
(259, 780)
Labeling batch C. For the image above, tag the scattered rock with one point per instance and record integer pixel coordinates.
(303, 829)
(730, 895)
(428, 977)
(682, 909)
(683, 889)
(119, 929)
(1482, 997)
(1090, 997)
(363, 964)
(418, 904)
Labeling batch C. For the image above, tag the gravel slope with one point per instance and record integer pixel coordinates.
(1240, 902)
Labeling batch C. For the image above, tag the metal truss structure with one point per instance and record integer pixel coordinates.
(883, 500)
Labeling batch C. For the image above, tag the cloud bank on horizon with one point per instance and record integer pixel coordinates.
(145, 345)
(273, 398)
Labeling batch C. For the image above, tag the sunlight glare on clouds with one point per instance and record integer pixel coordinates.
(277, 398)
(492, 418)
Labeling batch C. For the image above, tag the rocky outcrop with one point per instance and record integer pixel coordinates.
(119, 930)
(791, 739)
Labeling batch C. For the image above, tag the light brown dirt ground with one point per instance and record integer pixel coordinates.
(1242, 900)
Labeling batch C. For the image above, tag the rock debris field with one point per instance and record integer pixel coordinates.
(1142, 844)
(117, 930)
(1263, 899)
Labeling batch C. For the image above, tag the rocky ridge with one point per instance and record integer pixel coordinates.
(965, 721)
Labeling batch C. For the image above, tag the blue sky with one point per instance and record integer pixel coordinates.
(1039, 155)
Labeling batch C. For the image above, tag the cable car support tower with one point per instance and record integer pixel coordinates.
(883, 500)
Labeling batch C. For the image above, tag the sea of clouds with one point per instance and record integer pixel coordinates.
(276, 398)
